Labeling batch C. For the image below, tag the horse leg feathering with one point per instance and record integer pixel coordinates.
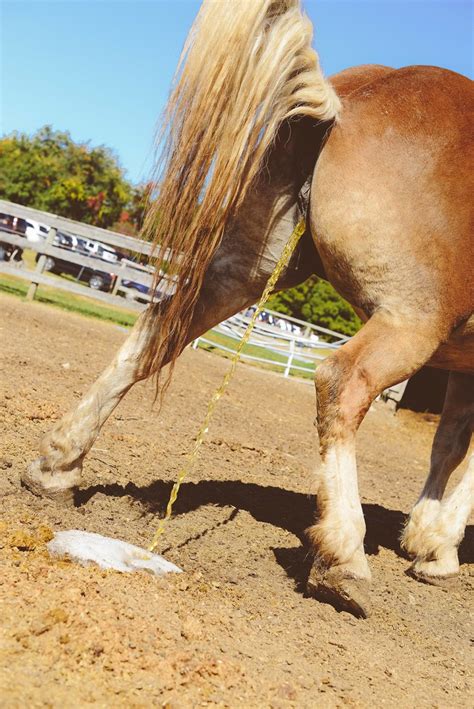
(436, 525)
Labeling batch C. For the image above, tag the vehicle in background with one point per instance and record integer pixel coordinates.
(96, 278)
(12, 225)
(32, 230)
(137, 290)
(105, 252)
(35, 231)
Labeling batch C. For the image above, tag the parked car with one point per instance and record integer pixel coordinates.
(13, 225)
(136, 289)
(35, 231)
(105, 252)
(96, 278)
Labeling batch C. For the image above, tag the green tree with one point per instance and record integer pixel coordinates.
(317, 302)
(49, 171)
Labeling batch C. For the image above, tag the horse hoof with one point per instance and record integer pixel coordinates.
(444, 581)
(59, 487)
(342, 590)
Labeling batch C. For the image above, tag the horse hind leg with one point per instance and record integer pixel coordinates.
(436, 526)
(384, 351)
(58, 470)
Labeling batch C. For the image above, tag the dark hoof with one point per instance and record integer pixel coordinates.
(56, 487)
(341, 590)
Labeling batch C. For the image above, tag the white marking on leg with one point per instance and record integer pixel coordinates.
(340, 531)
(436, 542)
(63, 448)
(455, 510)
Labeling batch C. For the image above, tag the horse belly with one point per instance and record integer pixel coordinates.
(457, 353)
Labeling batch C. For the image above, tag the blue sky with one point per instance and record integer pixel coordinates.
(101, 68)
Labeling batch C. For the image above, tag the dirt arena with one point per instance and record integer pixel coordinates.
(235, 630)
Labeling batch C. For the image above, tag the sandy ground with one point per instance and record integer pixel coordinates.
(236, 628)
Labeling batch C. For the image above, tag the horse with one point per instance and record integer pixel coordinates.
(378, 160)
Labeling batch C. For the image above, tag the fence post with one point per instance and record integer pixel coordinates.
(40, 264)
(290, 358)
(118, 279)
(195, 343)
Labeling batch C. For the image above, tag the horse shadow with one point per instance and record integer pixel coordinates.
(286, 509)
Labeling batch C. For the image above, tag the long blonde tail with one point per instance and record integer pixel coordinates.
(247, 65)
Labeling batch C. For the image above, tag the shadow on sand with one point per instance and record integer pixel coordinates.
(292, 511)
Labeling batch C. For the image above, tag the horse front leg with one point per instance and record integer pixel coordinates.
(57, 472)
(383, 352)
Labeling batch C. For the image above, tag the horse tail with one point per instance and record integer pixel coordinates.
(246, 66)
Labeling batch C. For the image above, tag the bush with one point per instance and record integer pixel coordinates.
(316, 302)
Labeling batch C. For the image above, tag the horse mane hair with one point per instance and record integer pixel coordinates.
(246, 67)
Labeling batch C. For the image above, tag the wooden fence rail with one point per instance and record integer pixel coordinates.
(119, 241)
(47, 248)
(120, 270)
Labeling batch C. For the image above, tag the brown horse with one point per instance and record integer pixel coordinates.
(388, 157)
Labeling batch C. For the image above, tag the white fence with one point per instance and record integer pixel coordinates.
(287, 344)
(284, 343)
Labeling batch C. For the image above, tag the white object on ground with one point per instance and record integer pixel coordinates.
(108, 553)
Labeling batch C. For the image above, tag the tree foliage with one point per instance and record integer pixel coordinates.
(49, 171)
(317, 302)
(132, 217)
